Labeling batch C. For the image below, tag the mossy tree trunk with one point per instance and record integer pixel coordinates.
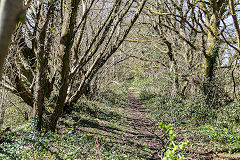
(211, 53)
(41, 74)
(67, 36)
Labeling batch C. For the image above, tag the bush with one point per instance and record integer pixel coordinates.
(174, 149)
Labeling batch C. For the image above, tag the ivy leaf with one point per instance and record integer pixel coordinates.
(23, 18)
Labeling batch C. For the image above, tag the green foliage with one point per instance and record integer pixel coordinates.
(93, 130)
(217, 128)
(142, 81)
(224, 131)
(23, 18)
(150, 85)
(26, 144)
(178, 110)
(146, 95)
(228, 116)
(113, 94)
(173, 153)
(16, 114)
(96, 109)
(220, 135)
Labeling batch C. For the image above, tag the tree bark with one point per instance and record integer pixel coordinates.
(212, 50)
(237, 30)
(10, 12)
(67, 37)
(41, 79)
(235, 21)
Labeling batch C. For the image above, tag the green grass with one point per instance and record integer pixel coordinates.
(25, 144)
(216, 129)
(222, 139)
(93, 130)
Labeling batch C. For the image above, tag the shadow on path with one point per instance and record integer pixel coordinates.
(145, 129)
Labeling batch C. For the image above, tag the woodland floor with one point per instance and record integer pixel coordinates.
(137, 130)
(136, 133)
(145, 132)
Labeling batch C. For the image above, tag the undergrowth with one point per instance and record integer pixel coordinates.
(93, 130)
(27, 144)
(217, 129)
(209, 129)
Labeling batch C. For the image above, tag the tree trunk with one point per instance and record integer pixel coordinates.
(2, 107)
(237, 30)
(66, 46)
(212, 50)
(173, 63)
(10, 11)
(41, 78)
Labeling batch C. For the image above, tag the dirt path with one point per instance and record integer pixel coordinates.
(144, 129)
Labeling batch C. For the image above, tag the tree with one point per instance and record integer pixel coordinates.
(61, 47)
(191, 41)
(10, 12)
